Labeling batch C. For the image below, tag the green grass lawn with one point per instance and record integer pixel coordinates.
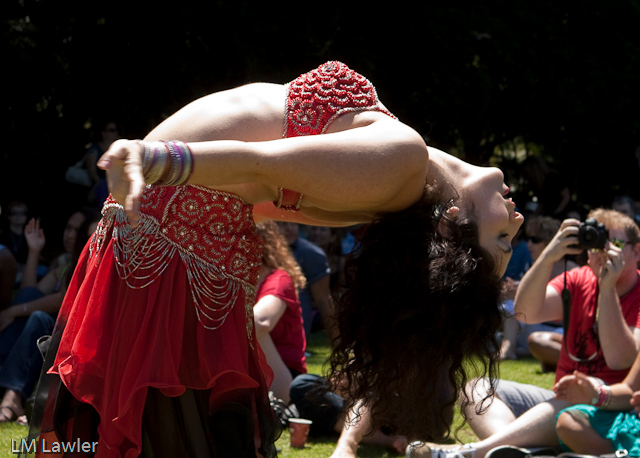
(523, 370)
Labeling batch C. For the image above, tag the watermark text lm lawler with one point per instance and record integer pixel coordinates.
(42, 446)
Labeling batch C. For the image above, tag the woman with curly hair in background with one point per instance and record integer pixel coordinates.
(277, 313)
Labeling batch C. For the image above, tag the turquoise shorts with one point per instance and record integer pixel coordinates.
(622, 428)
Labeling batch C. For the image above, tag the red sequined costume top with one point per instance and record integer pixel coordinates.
(318, 97)
(168, 304)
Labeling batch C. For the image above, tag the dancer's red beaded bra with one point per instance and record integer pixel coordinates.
(318, 97)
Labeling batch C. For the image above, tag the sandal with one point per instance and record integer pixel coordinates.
(3, 416)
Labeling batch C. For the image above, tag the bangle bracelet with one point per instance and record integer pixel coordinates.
(175, 165)
(608, 396)
(180, 165)
(154, 161)
(605, 397)
(166, 163)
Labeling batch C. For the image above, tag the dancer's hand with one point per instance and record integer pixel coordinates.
(576, 388)
(123, 163)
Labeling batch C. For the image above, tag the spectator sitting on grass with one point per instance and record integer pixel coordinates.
(603, 420)
(33, 315)
(8, 271)
(277, 313)
(315, 267)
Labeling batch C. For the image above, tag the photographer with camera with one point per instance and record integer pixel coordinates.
(603, 336)
(602, 328)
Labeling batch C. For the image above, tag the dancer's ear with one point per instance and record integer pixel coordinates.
(451, 214)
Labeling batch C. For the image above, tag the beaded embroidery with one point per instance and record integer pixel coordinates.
(316, 98)
(213, 233)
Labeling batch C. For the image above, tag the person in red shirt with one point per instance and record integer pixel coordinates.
(277, 312)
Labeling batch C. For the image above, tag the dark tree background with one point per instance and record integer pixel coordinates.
(559, 79)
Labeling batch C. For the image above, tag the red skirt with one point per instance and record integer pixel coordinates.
(121, 347)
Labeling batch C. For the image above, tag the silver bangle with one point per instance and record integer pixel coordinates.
(154, 161)
(180, 165)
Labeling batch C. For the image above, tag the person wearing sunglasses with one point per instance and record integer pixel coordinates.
(603, 337)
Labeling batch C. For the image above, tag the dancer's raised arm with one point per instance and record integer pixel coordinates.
(377, 168)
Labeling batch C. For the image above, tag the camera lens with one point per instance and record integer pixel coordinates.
(589, 236)
(592, 234)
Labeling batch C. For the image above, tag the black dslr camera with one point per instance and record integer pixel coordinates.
(592, 235)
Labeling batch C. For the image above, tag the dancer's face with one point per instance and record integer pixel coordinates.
(483, 198)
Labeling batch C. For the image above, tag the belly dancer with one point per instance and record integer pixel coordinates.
(156, 350)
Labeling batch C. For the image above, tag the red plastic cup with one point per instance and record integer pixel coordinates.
(299, 429)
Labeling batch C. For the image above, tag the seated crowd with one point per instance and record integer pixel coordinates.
(32, 292)
(594, 350)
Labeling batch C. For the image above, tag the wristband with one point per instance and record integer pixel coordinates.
(605, 397)
(608, 398)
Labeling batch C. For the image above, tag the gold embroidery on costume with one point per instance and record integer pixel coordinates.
(212, 232)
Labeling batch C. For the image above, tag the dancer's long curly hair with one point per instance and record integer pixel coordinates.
(417, 320)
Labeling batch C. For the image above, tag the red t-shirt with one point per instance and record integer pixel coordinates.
(288, 334)
(583, 285)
